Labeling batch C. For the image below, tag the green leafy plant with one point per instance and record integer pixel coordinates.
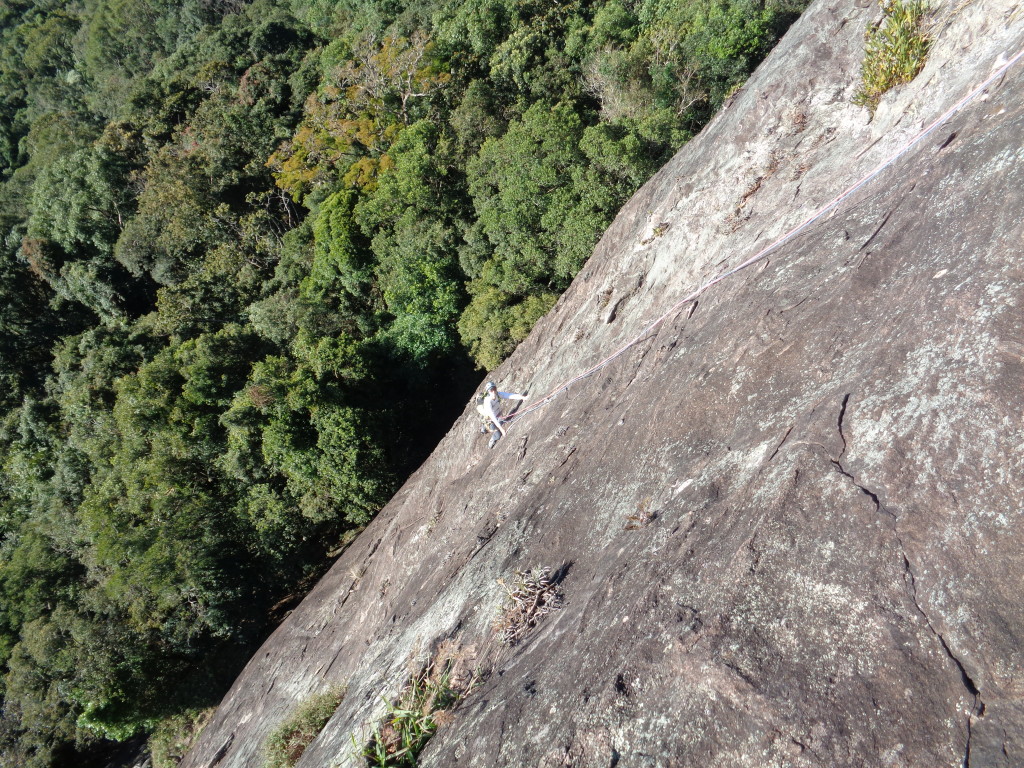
(895, 50)
(287, 743)
(423, 705)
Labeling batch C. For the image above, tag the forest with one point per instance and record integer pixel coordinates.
(255, 258)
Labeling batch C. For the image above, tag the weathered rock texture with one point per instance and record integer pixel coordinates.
(789, 525)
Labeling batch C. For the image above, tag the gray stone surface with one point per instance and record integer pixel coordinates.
(788, 526)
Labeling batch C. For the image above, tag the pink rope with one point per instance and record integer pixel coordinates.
(944, 117)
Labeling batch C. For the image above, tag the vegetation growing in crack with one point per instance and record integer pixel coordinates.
(423, 705)
(895, 50)
(174, 736)
(289, 740)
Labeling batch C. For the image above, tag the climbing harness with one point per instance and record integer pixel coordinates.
(764, 252)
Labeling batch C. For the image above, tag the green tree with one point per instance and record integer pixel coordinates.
(81, 203)
(536, 201)
(27, 329)
(340, 275)
(412, 216)
(495, 321)
(121, 41)
(364, 103)
(175, 221)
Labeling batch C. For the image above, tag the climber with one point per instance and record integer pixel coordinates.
(489, 408)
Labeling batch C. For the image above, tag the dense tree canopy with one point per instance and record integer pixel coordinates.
(253, 254)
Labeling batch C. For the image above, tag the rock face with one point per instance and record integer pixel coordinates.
(787, 526)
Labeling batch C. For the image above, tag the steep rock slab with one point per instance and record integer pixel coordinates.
(787, 526)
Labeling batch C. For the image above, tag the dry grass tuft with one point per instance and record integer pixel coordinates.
(531, 595)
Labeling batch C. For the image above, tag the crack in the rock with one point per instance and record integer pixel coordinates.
(870, 494)
(842, 415)
(968, 682)
(977, 705)
(874, 234)
(838, 464)
(967, 748)
(639, 363)
(522, 449)
(779, 446)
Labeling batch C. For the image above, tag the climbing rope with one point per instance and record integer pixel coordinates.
(764, 252)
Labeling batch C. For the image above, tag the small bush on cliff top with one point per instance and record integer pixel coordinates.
(895, 50)
(286, 744)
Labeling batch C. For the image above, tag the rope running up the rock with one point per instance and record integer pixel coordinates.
(777, 243)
